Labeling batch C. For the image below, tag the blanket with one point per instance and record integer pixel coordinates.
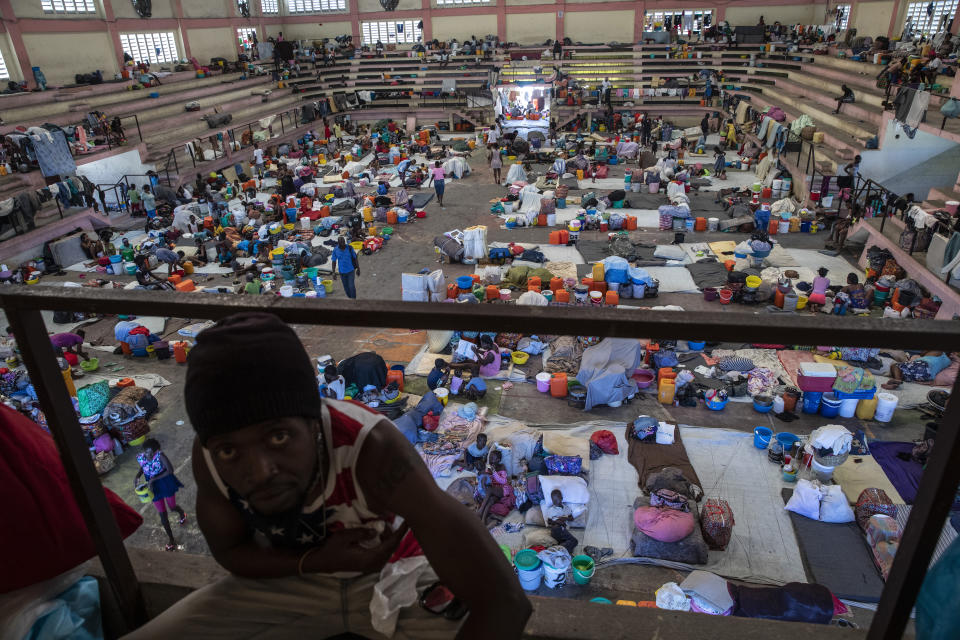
(649, 457)
(903, 474)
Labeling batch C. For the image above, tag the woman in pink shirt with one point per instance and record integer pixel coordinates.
(436, 177)
(818, 296)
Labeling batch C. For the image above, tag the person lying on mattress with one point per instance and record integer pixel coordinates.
(494, 491)
(918, 369)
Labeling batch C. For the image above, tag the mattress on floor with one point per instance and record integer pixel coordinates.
(67, 250)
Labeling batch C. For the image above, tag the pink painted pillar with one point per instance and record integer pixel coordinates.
(892, 30)
(114, 33)
(355, 21)
(427, 21)
(16, 39)
(178, 16)
(561, 8)
(639, 10)
(502, 21)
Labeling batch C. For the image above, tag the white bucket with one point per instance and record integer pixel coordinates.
(783, 227)
(886, 403)
(827, 201)
(613, 286)
(551, 219)
(822, 471)
(286, 291)
(778, 404)
(635, 187)
(543, 382)
(639, 290)
(553, 578)
(713, 224)
(848, 407)
(777, 184)
(530, 579)
(507, 207)
(304, 223)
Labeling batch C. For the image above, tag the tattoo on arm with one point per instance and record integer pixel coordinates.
(394, 473)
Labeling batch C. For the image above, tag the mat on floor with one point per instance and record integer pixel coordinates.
(421, 199)
(863, 472)
(601, 184)
(721, 248)
(673, 279)
(903, 474)
(708, 274)
(837, 267)
(150, 381)
(836, 556)
(646, 218)
(791, 360)
(763, 545)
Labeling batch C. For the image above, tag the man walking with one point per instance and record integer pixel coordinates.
(346, 257)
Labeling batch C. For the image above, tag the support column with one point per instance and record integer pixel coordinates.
(561, 16)
(177, 6)
(16, 39)
(114, 32)
(640, 9)
(502, 20)
(893, 20)
(427, 21)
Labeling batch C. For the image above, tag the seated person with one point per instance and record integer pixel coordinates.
(859, 295)
(333, 385)
(93, 248)
(475, 455)
(557, 515)
(438, 374)
(494, 490)
(252, 286)
(145, 277)
(918, 369)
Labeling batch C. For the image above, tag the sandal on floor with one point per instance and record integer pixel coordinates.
(891, 385)
(183, 519)
(170, 547)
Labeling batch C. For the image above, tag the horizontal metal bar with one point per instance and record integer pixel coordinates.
(715, 326)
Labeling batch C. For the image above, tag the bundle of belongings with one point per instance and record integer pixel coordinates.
(127, 413)
(877, 517)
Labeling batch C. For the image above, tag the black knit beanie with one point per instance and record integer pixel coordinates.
(245, 369)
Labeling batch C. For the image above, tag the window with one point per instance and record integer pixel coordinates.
(150, 47)
(391, 31)
(269, 6)
(245, 35)
(456, 2)
(690, 20)
(843, 16)
(929, 22)
(316, 6)
(4, 74)
(68, 6)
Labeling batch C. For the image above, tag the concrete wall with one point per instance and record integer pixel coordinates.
(809, 13)
(373, 6)
(213, 43)
(872, 18)
(67, 54)
(938, 157)
(312, 30)
(598, 26)
(531, 28)
(461, 27)
(158, 9)
(205, 8)
(111, 169)
(10, 57)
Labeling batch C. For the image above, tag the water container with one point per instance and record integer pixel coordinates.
(465, 283)
(848, 407)
(666, 390)
(543, 382)
(529, 569)
(402, 217)
(811, 401)
(713, 224)
(867, 408)
(558, 385)
(553, 578)
(761, 437)
(886, 403)
(830, 406)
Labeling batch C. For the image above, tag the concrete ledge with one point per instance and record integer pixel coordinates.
(168, 577)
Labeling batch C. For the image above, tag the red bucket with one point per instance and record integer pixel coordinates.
(725, 296)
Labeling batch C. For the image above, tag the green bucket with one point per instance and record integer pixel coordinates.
(526, 560)
(507, 552)
(311, 273)
(583, 569)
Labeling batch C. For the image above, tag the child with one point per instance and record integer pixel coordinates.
(133, 196)
(436, 376)
(557, 516)
(719, 163)
(495, 490)
(476, 453)
(156, 468)
(818, 296)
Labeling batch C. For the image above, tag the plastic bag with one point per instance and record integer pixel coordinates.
(397, 588)
(670, 596)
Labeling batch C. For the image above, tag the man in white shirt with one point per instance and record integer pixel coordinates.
(492, 136)
(557, 515)
(333, 385)
(605, 90)
(258, 158)
(932, 69)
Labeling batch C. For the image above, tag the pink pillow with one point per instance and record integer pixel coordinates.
(664, 524)
(946, 377)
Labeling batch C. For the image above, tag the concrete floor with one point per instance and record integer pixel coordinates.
(410, 250)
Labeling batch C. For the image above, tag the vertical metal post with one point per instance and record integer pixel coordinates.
(137, 120)
(38, 356)
(938, 487)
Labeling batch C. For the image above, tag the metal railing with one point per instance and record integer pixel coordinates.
(23, 306)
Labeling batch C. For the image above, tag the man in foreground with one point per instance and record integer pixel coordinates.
(305, 501)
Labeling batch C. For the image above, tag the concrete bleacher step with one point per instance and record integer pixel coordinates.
(820, 113)
(864, 69)
(831, 87)
(864, 113)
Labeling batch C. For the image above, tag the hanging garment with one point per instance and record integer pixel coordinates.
(53, 154)
(764, 125)
(918, 109)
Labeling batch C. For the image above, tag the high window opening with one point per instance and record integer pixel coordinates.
(316, 6)
(245, 36)
(154, 48)
(269, 6)
(68, 6)
(685, 20)
(391, 31)
(927, 18)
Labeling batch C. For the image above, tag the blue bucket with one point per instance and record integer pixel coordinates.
(561, 203)
(696, 346)
(292, 214)
(830, 406)
(402, 217)
(761, 437)
(465, 282)
(761, 408)
(811, 401)
(786, 440)
(804, 227)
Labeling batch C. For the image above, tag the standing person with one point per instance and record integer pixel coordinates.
(705, 125)
(349, 267)
(847, 97)
(171, 258)
(496, 163)
(436, 177)
(295, 491)
(557, 50)
(606, 88)
(719, 163)
(850, 172)
(402, 169)
(258, 159)
(645, 125)
(133, 197)
(155, 467)
(149, 202)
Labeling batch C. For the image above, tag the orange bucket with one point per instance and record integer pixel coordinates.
(773, 226)
(631, 223)
(558, 385)
(561, 295)
(613, 298)
(493, 292)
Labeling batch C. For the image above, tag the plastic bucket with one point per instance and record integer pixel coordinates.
(848, 407)
(830, 406)
(821, 471)
(709, 294)
(144, 492)
(826, 201)
(529, 568)
(543, 382)
(327, 285)
(505, 294)
(442, 394)
(583, 569)
(762, 437)
(653, 187)
(696, 346)
(786, 440)
(553, 578)
(886, 403)
(713, 224)
(951, 206)
(811, 401)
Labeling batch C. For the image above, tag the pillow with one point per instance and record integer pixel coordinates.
(736, 363)
(805, 500)
(834, 506)
(669, 252)
(664, 524)
(573, 488)
(36, 490)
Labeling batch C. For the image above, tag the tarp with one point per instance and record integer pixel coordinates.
(604, 370)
